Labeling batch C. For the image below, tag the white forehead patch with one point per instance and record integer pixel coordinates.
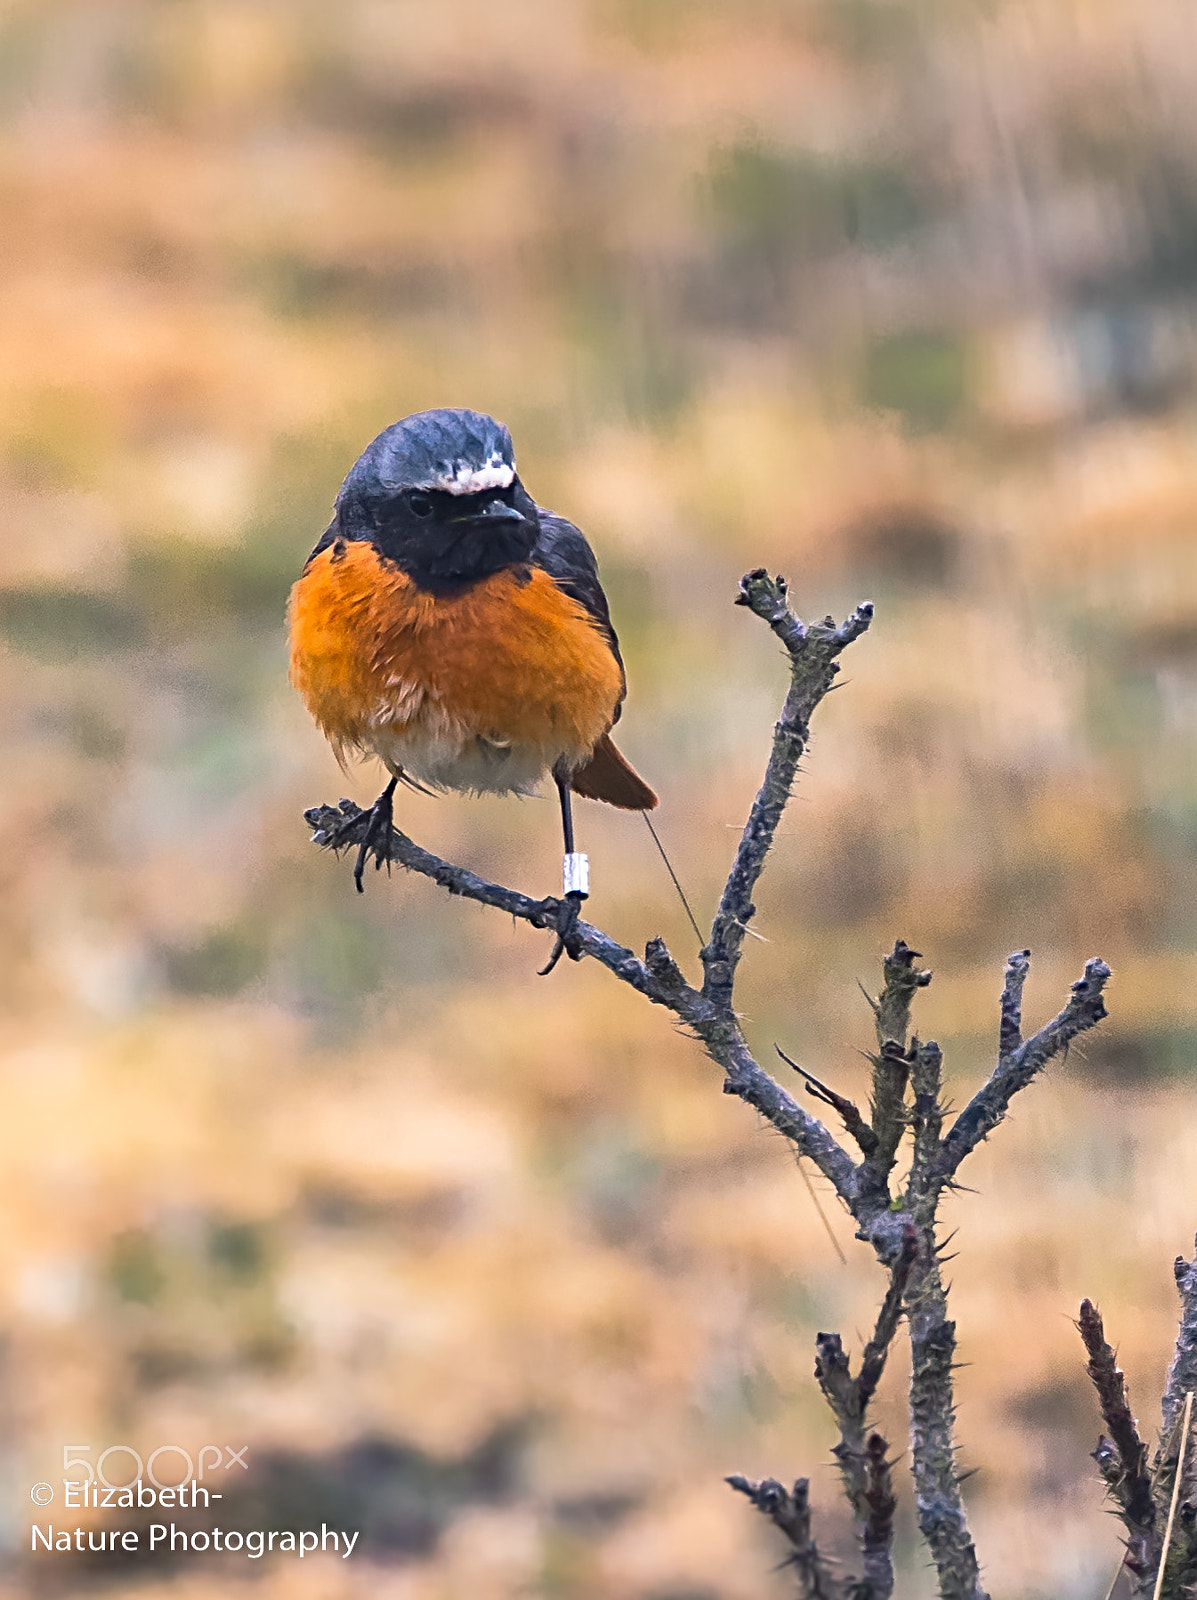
(463, 477)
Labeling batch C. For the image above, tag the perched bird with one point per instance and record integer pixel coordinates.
(453, 628)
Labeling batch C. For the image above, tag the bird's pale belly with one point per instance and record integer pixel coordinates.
(485, 690)
(437, 750)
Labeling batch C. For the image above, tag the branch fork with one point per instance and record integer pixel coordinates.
(906, 1099)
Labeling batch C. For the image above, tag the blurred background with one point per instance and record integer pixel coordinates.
(898, 297)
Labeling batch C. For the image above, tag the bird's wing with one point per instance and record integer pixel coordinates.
(564, 553)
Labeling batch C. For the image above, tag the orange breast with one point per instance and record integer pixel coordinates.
(384, 666)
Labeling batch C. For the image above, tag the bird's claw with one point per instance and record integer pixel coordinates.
(373, 842)
(568, 941)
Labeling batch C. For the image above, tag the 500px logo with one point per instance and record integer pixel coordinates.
(84, 1480)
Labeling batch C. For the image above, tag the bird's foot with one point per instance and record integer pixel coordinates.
(374, 841)
(568, 941)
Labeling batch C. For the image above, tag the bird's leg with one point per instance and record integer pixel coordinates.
(378, 832)
(575, 885)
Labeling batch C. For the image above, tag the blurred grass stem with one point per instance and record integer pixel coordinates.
(1176, 1482)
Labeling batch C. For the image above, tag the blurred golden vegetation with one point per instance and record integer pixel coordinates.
(896, 296)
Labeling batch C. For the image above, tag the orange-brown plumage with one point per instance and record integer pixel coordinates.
(510, 673)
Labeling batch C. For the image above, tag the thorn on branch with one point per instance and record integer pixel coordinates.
(872, 1004)
(849, 1113)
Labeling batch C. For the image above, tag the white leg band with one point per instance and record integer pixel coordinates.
(576, 874)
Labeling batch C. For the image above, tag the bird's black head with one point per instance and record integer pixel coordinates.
(437, 494)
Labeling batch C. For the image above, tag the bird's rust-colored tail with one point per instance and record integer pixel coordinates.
(608, 776)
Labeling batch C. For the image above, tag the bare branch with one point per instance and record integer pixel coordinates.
(1123, 1457)
(812, 651)
(926, 1184)
(902, 1234)
(709, 1014)
(1085, 1009)
(766, 597)
(658, 978)
(1178, 1557)
(891, 1072)
(339, 826)
(877, 1539)
(902, 981)
(1182, 1374)
(942, 1521)
(789, 1510)
(872, 1361)
(1160, 1563)
(941, 1513)
(891, 1066)
(1139, 1559)
(1010, 1032)
(752, 1083)
(1171, 1478)
(863, 1467)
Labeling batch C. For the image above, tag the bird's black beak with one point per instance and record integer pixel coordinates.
(491, 514)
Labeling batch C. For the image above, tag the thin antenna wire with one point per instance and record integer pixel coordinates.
(810, 1189)
(823, 1218)
(669, 868)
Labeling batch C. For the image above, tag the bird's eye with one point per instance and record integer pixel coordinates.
(419, 504)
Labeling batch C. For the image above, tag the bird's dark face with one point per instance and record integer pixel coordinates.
(438, 495)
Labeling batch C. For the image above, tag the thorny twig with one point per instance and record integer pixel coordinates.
(1122, 1458)
(1010, 1032)
(1157, 1505)
(1085, 1009)
(1180, 1557)
(864, 1468)
(885, 1221)
(813, 652)
(789, 1511)
(1182, 1374)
